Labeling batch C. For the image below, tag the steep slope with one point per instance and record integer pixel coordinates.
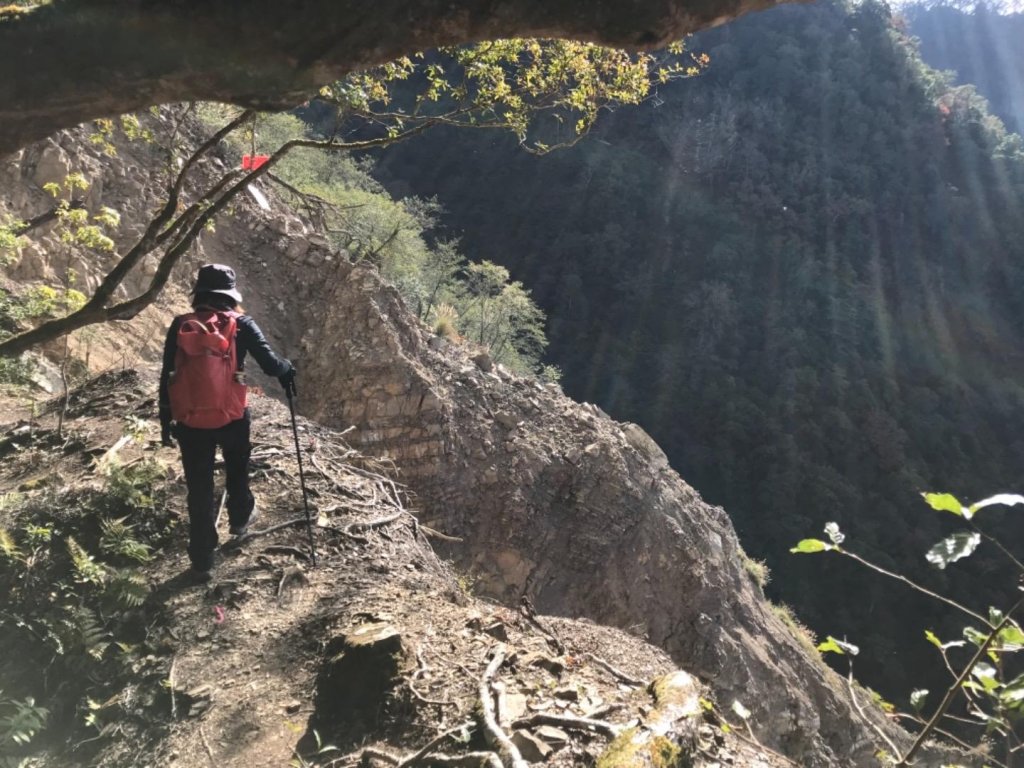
(553, 501)
(376, 650)
(801, 273)
(981, 48)
(556, 502)
(247, 671)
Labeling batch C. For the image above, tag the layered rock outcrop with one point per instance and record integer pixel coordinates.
(555, 501)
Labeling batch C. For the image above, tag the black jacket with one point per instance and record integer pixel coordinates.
(249, 340)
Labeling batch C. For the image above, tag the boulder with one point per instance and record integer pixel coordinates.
(530, 747)
(52, 167)
(483, 362)
(32, 264)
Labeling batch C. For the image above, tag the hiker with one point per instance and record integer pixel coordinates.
(203, 404)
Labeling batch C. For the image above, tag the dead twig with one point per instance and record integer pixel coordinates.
(363, 757)
(377, 478)
(369, 525)
(206, 744)
(507, 751)
(109, 456)
(256, 534)
(530, 614)
(293, 575)
(618, 674)
(338, 486)
(280, 549)
(434, 744)
(434, 534)
(220, 508)
(602, 711)
(426, 700)
(422, 669)
(488, 759)
(170, 687)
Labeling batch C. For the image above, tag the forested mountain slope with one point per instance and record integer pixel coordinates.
(801, 273)
(982, 47)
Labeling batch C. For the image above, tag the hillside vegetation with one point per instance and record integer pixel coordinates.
(980, 46)
(801, 273)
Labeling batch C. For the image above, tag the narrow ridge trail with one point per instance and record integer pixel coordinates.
(261, 666)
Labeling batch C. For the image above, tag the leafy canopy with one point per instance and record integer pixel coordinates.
(548, 93)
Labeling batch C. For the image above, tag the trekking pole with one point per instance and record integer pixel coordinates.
(302, 477)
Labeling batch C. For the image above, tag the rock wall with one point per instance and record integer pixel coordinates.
(555, 501)
(279, 259)
(373, 379)
(125, 181)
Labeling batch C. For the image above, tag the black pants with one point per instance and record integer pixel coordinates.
(198, 447)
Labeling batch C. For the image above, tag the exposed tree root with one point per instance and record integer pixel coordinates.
(434, 534)
(239, 541)
(420, 670)
(507, 751)
(570, 722)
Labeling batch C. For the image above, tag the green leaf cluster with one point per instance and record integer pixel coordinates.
(20, 721)
(546, 92)
(69, 573)
(992, 691)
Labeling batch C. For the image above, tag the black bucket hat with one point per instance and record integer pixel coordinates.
(217, 278)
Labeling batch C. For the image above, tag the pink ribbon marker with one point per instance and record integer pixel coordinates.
(218, 614)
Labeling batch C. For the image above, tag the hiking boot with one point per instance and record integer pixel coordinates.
(199, 575)
(242, 530)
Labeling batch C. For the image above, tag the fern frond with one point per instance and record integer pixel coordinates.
(87, 570)
(117, 538)
(82, 629)
(127, 589)
(8, 546)
(90, 630)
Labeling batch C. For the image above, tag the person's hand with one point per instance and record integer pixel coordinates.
(287, 380)
(165, 436)
(166, 439)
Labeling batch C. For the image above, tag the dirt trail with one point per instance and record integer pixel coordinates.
(244, 671)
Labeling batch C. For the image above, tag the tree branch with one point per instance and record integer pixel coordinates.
(150, 238)
(46, 217)
(82, 59)
(911, 584)
(193, 220)
(955, 687)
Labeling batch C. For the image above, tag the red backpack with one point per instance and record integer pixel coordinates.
(204, 388)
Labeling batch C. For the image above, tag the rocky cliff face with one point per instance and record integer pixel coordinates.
(554, 501)
(549, 499)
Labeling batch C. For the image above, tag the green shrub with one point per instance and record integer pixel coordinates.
(69, 571)
(20, 721)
